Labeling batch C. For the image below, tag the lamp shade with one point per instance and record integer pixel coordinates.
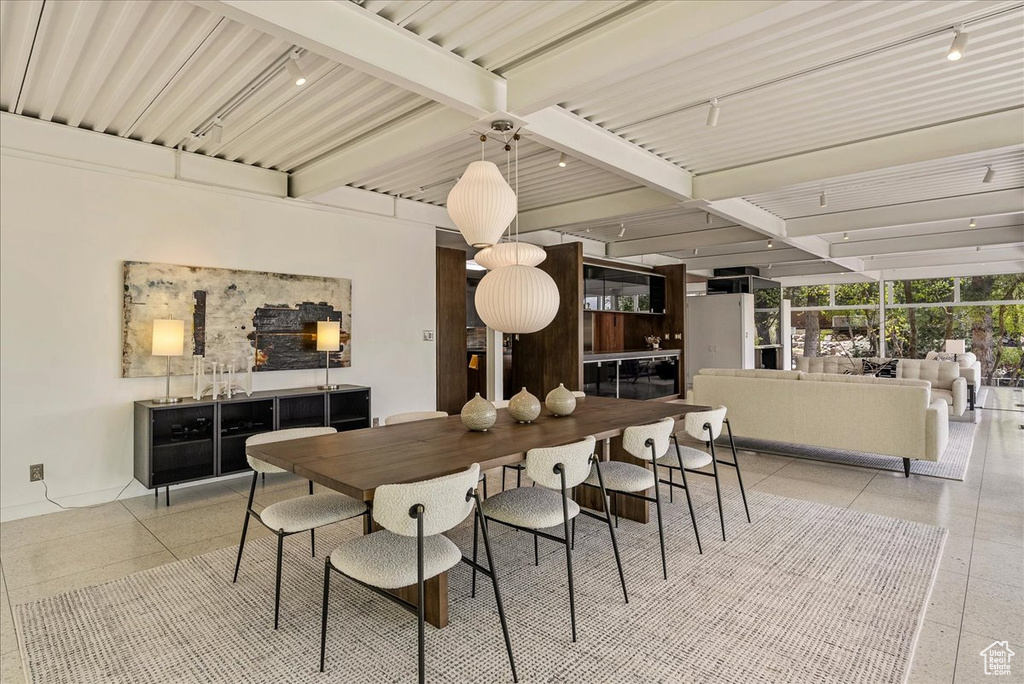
(517, 299)
(328, 336)
(956, 346)
(482, 204)
(509, 254)
(168, 337)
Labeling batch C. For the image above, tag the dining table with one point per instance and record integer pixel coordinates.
(356, 462)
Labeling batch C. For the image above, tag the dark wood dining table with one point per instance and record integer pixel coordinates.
(358, 461)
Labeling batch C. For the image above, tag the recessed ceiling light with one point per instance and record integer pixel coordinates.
(713, 111)
(972, 224)
(846, 236)
(771, 244)
(561, 160)
(990, 174)
(292, 65)
(959, 45)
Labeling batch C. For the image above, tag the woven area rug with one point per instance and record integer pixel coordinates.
(807, 593)
(953, 465)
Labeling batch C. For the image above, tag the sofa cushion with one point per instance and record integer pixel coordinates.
(764, 373)
(940, 374)
(943, 394)
(965, 360)
(829, 364)
(863, 380)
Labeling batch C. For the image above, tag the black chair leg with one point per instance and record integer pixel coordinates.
(476, 535)
(573, 542)
(657, 505)
(277, 590)
(245, 527)
(485, 486)
(689, 501)
(497, 593)
(421, 598)
(519, 477)
(739, 477)
(718, 487)
(536, 550)
(572, 590)
(311, 487)
(323, 615)
(611, 530)
(312, 543)
(671, 483)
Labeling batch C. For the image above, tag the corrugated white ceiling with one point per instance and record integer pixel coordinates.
(891, 90)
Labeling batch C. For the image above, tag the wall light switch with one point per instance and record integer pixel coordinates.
(679, 336)
(428, 335)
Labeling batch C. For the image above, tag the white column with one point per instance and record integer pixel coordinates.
(495, 365)
(881, 318)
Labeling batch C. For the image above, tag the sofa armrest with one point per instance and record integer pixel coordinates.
(936, 430)
(959, 396)
(972, 374)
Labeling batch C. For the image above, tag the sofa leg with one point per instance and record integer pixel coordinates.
(971, 396)
(906, 467)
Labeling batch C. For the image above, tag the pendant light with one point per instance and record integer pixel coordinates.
(482, 204)
(510, 253)
(516, 296)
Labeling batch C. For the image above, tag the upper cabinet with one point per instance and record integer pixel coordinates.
(613, 289)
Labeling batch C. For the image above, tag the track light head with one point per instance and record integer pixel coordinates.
(990, 174)
(771, 244)
(561, 160)
(846, 236)
(707, 217)
(695, 250)
(972, 224)
(959, 45)
(292, 65)
(622, 230)
(823, 200)
(713, 111)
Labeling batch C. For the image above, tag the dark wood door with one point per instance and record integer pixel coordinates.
(609, 332)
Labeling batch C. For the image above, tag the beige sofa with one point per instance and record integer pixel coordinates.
(851, 412)
(944, 377)
(970, 370)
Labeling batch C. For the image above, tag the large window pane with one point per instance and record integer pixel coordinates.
(808, 295)
(992, 287)
(931, 291)
(850, 332)
(857, 294)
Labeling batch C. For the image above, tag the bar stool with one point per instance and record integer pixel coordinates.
(411, 548)
(300, 514)
(416, 416)
(555, 470)
(705, 426)
(643, 442)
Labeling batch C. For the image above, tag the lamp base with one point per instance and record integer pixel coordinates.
(327, 387)
(166, 400)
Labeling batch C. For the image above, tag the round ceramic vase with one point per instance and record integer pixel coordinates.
(560, 401)
(524, 407)
(478, 414)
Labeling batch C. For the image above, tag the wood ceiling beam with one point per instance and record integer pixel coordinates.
(348, 34)
(977, 134)
(912, 213)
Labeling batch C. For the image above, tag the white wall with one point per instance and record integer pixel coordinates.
(64, 231)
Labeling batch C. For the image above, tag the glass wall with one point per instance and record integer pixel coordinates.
(986, 312)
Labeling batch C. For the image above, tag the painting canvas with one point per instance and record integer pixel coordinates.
(253, 319)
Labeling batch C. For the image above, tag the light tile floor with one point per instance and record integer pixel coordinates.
(978, 597)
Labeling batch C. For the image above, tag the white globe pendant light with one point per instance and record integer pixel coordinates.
(510, 253)
(517, 299)
(482, 204)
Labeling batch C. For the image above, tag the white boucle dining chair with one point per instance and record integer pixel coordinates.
(411, 548)
(416, 416)
(292, 516)
(706, 427)
(555, 471)
(645, 443)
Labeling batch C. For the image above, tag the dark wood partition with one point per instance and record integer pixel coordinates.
(554, 355)
(450, 337)
(674, 320)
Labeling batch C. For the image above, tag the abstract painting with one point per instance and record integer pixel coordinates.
(266, 321)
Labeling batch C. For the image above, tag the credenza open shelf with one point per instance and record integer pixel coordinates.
(195, 440)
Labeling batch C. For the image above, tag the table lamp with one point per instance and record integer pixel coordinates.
(956, 346)
(168, 341)
(328, 339)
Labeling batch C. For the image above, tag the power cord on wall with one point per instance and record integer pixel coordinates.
(46, 494)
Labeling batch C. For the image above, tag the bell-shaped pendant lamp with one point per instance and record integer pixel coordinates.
(517, 299)
(482, 204)
(509, 254)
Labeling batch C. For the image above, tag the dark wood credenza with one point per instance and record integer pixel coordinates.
(197, 440)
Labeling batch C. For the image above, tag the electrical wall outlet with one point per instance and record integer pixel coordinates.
(428, 335)
(35, 472)
(376, 422)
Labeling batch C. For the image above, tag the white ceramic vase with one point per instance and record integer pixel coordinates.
(560, 401)
(478, 414)
(524, 407)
